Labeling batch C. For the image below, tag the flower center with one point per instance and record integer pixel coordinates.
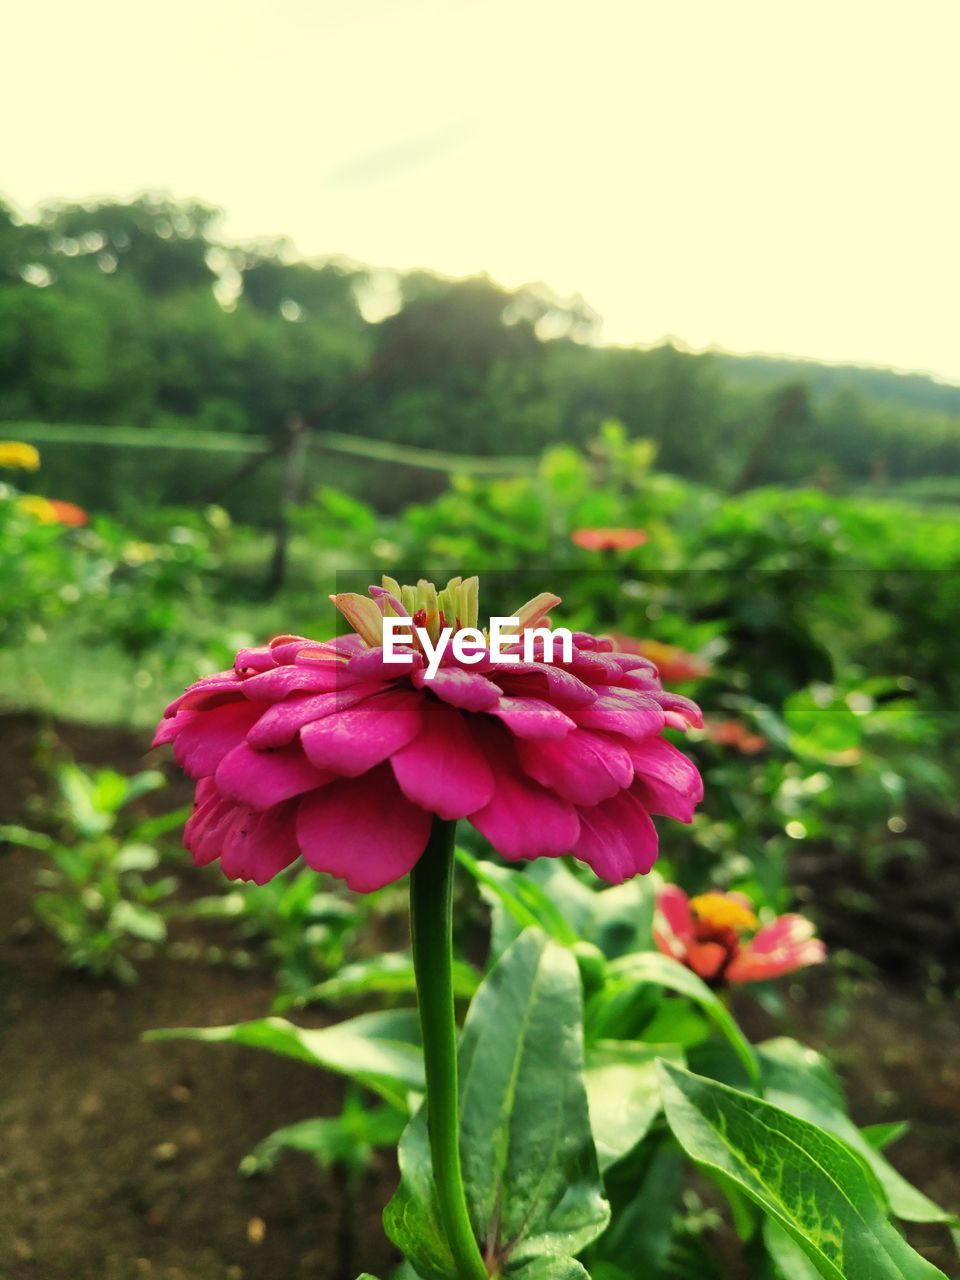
(723, 912)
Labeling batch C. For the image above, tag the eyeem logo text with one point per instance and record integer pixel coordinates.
(469, 644)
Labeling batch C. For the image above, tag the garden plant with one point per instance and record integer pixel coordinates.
(551, 1135)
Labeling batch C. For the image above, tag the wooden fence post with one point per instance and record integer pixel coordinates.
(290, 487)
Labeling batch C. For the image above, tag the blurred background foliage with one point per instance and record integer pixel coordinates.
(135, 315)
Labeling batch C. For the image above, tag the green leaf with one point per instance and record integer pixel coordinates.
(645, 1203)
(548, 1267)
(806, 1180)
(390, 973)
(789, 1259)
(79, 791)
(136, 857)
(379, 1050)
(140, 922)
(660, 970)
(25, 839)
(528, 1152)
(152, 828)
(623, 1090)
(522, 897)
(411, 1218)
(801, 1081)
(622, 919)
(348, 1139)
(530, 1170)
(880, 1136)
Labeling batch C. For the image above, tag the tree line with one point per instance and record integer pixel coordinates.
(137, 314)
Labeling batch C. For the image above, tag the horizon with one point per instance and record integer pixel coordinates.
(672, 168)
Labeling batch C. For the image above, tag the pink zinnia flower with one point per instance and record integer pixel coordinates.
(326, 751)
(706, 934)
(609, 539)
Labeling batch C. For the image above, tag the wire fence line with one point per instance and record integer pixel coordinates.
(244, 445)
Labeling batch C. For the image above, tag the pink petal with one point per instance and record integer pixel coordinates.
(371, 665)
(352, 741)
(536, 680)
(202, 744)
(641, 680)
(583, 767)
(270, 686)
(256, 846)
(363, 830)
(674, 918)
(459, 688)
(780, 947)
(209, 690)
(169, 728)
(668, 782)
(286, 649)
(249, 661)
(680, 712)
(786, 931)
(625, 711)
(532, 718)
(617, 838)
(442, 769)
(203, 834)
(261, 779)
(523, 819)
(283, 721)
(594, 667)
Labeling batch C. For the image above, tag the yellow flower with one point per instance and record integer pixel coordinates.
(41, 509)
(14, 453)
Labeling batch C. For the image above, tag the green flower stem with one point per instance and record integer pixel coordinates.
(431, 931)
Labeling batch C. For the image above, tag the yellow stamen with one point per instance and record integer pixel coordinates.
(723, 911)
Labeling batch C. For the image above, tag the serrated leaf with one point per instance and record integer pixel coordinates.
(379, 1050)
(806, 1180)
(623, 1091)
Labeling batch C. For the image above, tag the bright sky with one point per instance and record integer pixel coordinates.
(763, 175)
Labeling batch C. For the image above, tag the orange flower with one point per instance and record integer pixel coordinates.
(68, 513)
(734, 733)
(674, 664)
(52, 510)
(609, 539)
(707, 934)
